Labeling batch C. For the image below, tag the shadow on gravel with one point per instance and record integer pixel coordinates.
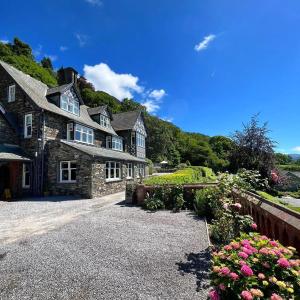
(197, 264)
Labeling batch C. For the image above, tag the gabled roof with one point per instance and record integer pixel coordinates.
(37, 91)
(12, 152)
(103, 152)
(99, 110)
(125, 120)
(59, 89)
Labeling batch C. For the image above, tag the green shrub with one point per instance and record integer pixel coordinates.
(153, 204)
(201, 202)
(291, 167)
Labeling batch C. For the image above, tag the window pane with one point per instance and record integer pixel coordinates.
(84, 137)
(112, 173)
(73, 174)
(64, 165)
(77, 135)
(73, 165)
(117, 173)
(65, 175)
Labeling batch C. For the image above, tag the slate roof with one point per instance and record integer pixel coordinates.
(37, 91)
(103, 152)
(125, 120)
(97, 110)
(12, 152)
(59, 89)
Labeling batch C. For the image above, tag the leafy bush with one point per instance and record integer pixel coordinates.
(201, 202)
(153, 204)
(253, 180)
(291, 167)
(255, 267)
(185, 176)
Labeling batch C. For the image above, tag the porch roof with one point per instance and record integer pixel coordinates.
(12, 153)
(103, 152)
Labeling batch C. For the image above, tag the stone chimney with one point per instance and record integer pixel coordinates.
(67, 75)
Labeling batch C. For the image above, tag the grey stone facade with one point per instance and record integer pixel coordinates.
(7, 135)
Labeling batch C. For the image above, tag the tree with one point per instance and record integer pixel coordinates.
(253, 148)
(47, 63)
(282, 159)
(21, 48)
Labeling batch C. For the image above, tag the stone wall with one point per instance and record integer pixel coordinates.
(57, 152)
(8, 134)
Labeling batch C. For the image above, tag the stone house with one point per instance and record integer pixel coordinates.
(51, 142)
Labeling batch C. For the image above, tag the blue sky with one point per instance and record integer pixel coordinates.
(206, 65)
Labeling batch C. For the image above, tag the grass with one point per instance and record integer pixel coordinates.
(185, 176)
(277, 201)
(292, 167)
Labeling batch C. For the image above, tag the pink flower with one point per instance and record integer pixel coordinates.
(261, 276)
(222, 287)
(254, 226)
(243, 255)
(213, 295)
(275, 297)
(227, 248)
(245, 242)
(242, 262)
(283, 263)
(237, 205)
(225, 205)
(246, 270)
(224, 271)
(234, 276)
(235, 245)
(246, 295)
(263, 237)
(273, 244)
(247, 250)
(266, 265)
(264, 251)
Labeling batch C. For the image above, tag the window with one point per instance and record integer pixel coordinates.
(26, 176)
(68, 171)
(117, 143)
(141, 170)
(104, 121)
(11, 93)
(108, 142)
(69, 104)
(84, 134)
(112, 171)
(129, 170)
(140, 140)
(28, 126)
(70, 131)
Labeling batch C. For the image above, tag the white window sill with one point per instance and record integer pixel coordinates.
(113, 180)
(129, 178)
(69, 181)
(28, 137)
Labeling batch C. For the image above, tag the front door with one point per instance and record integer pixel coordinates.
(4, 178)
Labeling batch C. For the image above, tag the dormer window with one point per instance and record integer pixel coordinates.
(104, 121)
(11, 93)
(115, 143)
(84, 134)
(69, 104)
(140, 140)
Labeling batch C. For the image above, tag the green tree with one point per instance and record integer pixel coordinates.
(47, 63)
(283, 159)
(21, 48)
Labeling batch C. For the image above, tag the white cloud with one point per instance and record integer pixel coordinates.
(167, 119)
(94, 2)
(297, 149)
(151, 105)
(4, 41)
(205, 42)
(37, 51)
(105, 79)
(63, 48)
(82, 39)
(157, 94)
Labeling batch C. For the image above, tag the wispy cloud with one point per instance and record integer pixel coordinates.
(63, 48)
(4, 41)
(37, 52)
(151, 106)
(205, 42)
(94, 2)
(157, 94)
(52, 57)
(297, 149)
(167, 119)
(82, 39)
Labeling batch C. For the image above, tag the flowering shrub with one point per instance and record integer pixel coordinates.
(255, 267)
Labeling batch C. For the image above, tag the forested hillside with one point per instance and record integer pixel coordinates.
(166, 141)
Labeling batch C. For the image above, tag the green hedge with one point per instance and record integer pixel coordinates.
(185, 176)
(290, 167)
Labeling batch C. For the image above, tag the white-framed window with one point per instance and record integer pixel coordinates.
(141, 170)
(140, 140)
(28, 126)
(70, 131)
(108, 142)
(67, 171)
(117, 143)
(112, 171)
(104, 121)
(84, 134)
(129, 170)
(11, 93)
(26, 176)
(69, 104)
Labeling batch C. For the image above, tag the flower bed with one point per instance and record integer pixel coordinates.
(255, 267)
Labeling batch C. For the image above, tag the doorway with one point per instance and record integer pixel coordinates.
(4, 178)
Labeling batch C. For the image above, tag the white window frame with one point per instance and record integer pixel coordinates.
(27, 125)
(11, 93)
(129, 168)
(111, 168)
(70, 128)
(139, 168)
(25, 171)
(117, 143)
(140, 140)
(69, 168)
(104, 121)
(69, 104)
(84, 131)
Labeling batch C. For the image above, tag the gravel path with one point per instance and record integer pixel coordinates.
(98, 249)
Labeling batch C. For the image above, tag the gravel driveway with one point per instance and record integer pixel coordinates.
(100, 249)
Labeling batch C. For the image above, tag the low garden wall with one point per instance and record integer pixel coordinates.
(273, 220)
(138, 197)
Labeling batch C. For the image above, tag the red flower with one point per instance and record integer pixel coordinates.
(254, 226)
